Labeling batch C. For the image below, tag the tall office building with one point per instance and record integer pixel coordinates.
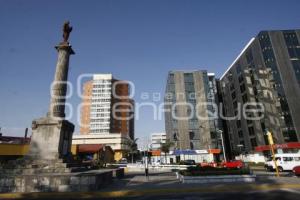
(189, 114)
(266, 72)
(107, 107)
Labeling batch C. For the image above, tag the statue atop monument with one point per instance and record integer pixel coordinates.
(66, 31)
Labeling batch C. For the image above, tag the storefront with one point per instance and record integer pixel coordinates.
(93, 151)
(291, 147)
(173, 157)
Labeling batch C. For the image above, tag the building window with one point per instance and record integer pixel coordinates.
(171, 79)
(296, 66)
(235, 113)
(213, 135)
(188, 78)
(235, 105)
(263, 126)
(242, 88)
(233, 95)
(175, 137)
(245, 98)
(238, 68)
(251, 130)
(238, 123)
(240, 133)
(249, 56)
(241, 78)
(253, 142)
(192, 145)
(192, 135)
(242, 145)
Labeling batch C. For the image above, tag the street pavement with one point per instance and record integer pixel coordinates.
(165, 186)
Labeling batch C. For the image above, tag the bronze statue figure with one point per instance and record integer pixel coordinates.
(66, 31)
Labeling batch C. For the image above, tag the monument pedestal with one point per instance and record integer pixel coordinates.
(51, 138)
(44, 168)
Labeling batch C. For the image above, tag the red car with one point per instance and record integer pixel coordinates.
(296, 170)
(233, 164)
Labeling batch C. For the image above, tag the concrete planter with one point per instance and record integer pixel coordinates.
(119, 173)
(216, 179)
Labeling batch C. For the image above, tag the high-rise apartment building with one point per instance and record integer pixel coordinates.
(266, 74)
(86, 108)
(107, 107)
(157, 139)
(191, 118)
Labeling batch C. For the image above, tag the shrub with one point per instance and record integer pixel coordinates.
(211, 171)
(253, 164)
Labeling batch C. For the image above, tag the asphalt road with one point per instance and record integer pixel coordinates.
(281, 194)
(265, 195)
(165, 186)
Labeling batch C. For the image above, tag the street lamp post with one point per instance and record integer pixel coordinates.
(146, 149)
(223, 147)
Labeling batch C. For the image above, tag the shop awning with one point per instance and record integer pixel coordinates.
(195, 152)
(90, 148)
(184, 152)
(290, 145)
(214, 151)
(155, 152)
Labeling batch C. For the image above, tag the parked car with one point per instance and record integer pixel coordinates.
(122, 163)
(296, 170)
(188, 162)
(233, 164)
(88, 162)
(285, 162)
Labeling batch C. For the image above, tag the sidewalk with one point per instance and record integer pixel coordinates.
(137, 181)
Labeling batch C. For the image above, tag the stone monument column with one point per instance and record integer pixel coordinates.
(59, 85)
(52, 135)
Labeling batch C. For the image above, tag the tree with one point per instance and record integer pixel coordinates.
(165, 147)
(132, 144)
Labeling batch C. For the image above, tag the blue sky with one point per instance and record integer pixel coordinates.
(137, 40)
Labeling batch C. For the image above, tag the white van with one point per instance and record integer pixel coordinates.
(286, 161)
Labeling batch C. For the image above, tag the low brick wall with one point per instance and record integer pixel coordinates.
(216, 179)
(56, 182)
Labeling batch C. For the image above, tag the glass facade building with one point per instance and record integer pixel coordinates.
(190, 101)
(267, 73)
